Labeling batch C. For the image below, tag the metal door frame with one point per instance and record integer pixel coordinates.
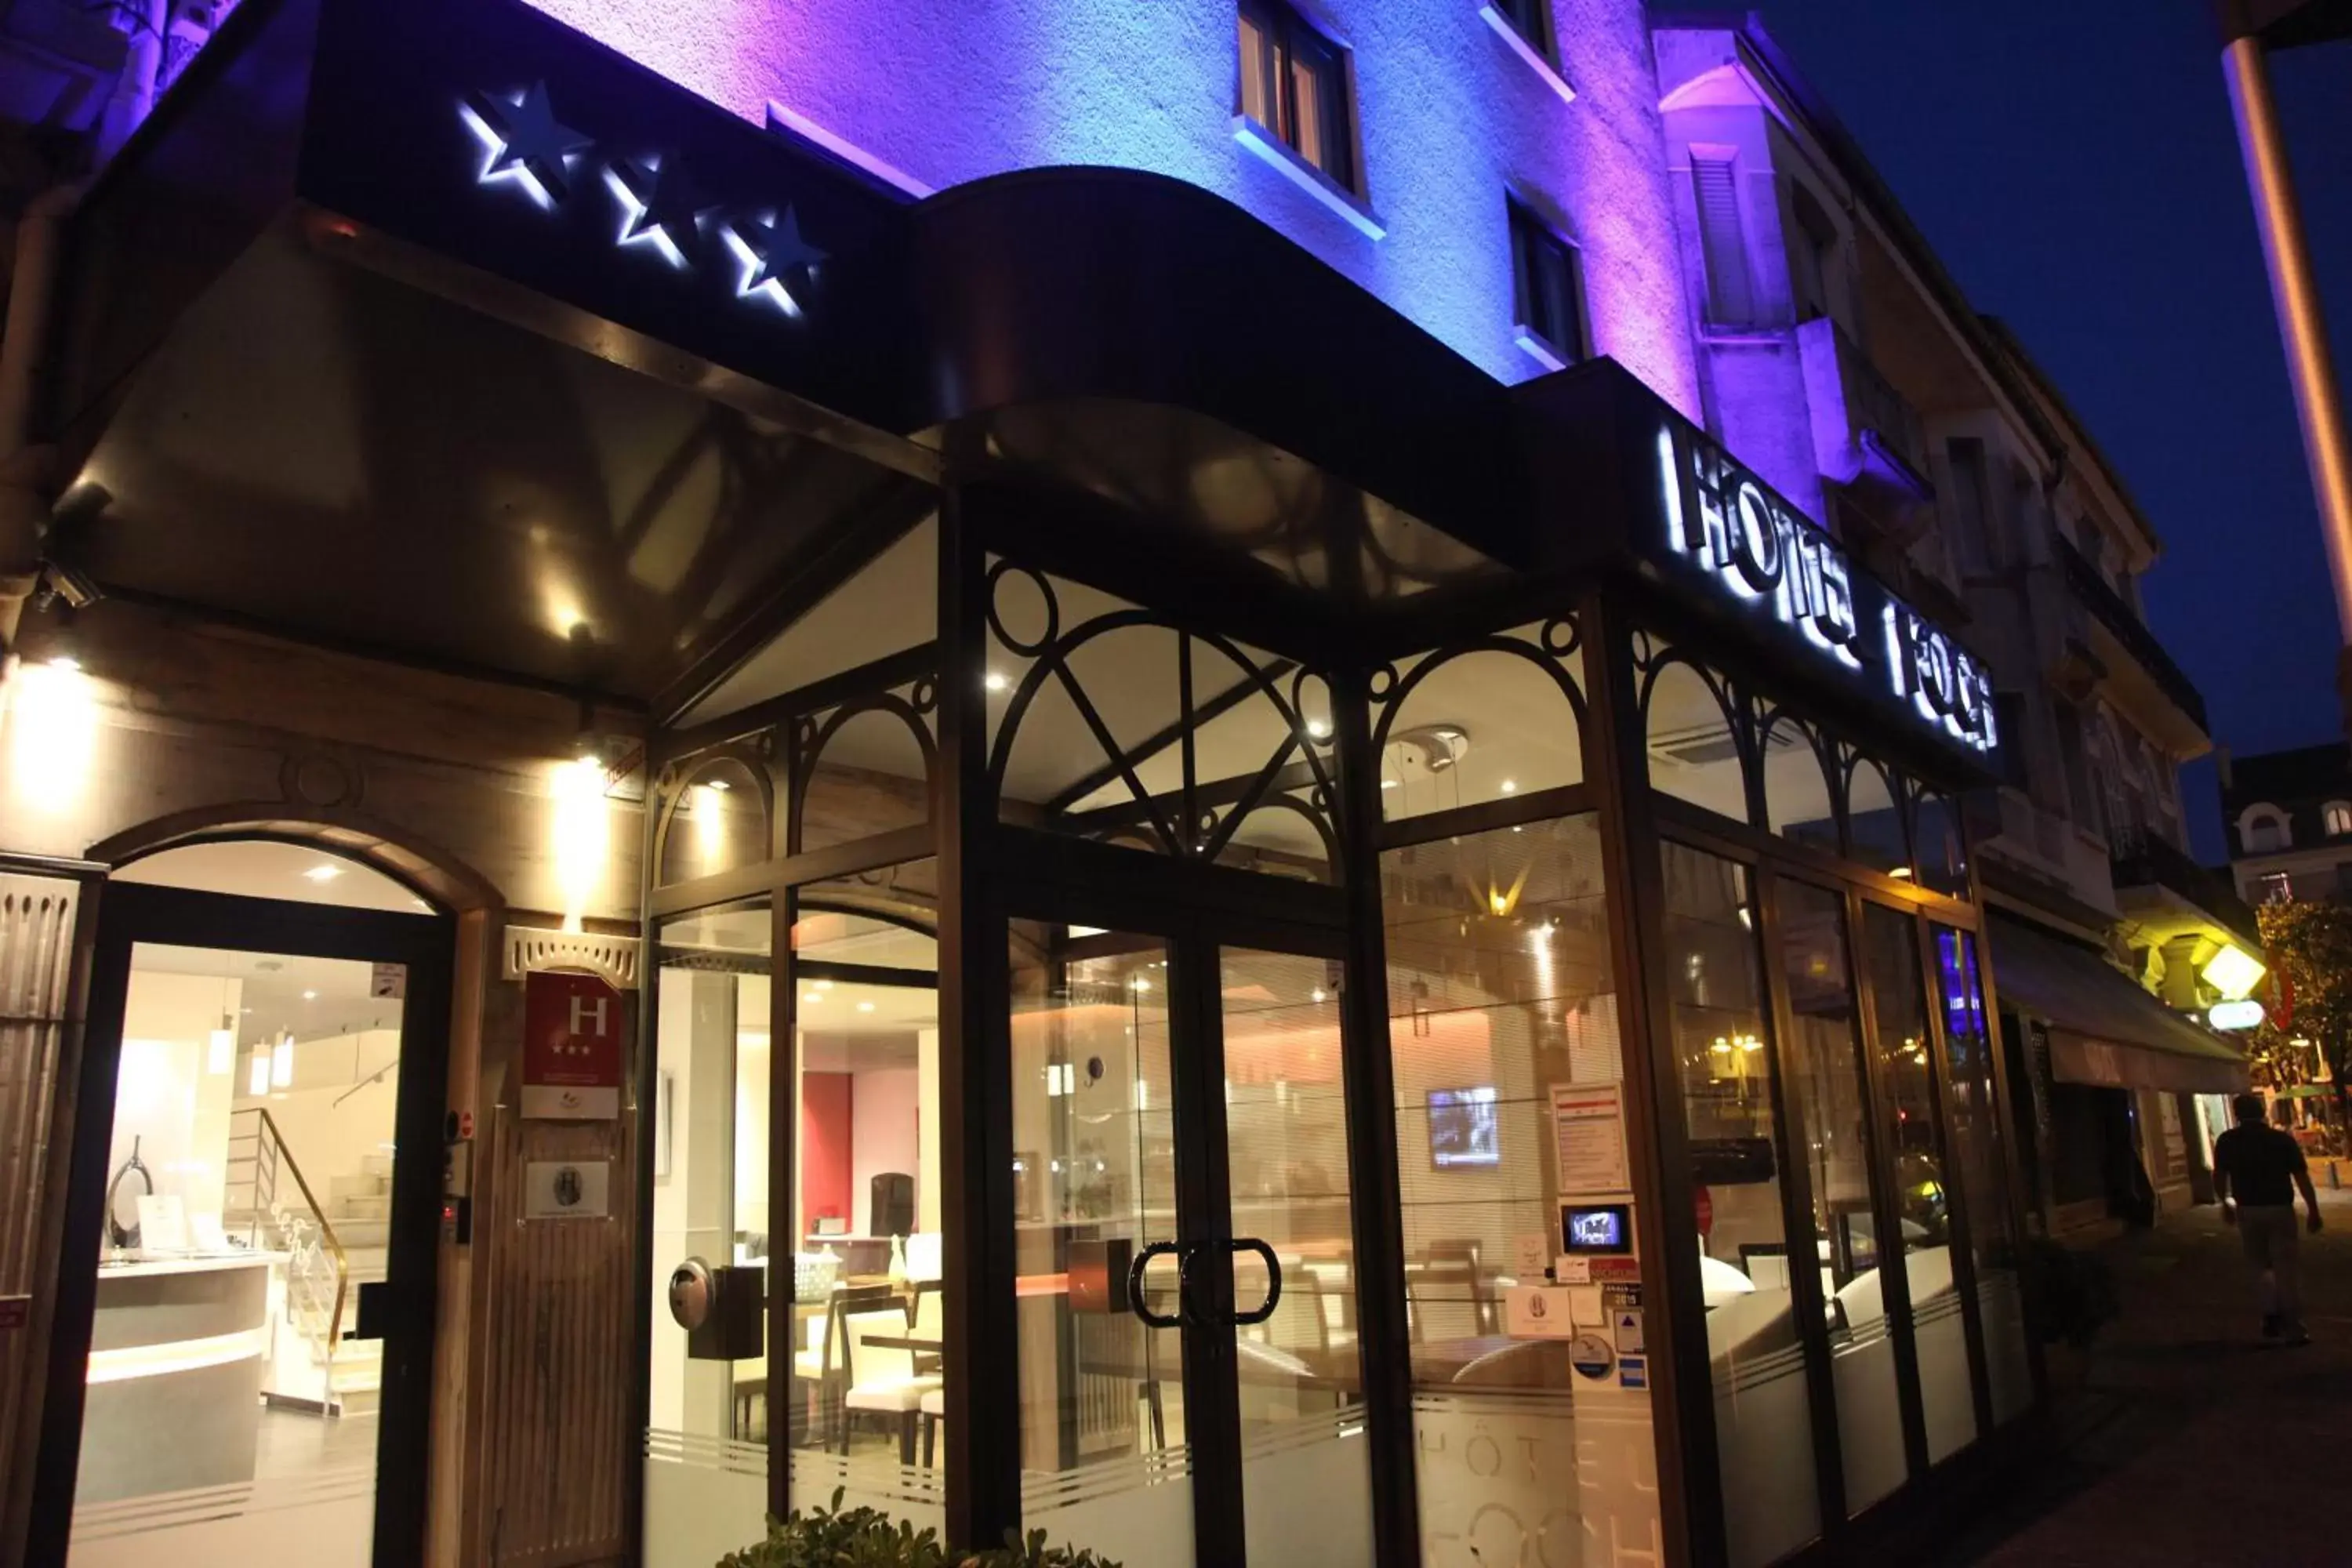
(130, 913)
(1196, 931)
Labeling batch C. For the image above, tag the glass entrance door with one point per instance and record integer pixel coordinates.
(1305, 1468)
(1191, 1373)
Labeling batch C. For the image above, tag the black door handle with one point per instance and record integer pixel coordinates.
(1135, 1293)
(1272, 1281)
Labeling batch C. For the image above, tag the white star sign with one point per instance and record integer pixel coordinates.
(523, 142)
(767, 251)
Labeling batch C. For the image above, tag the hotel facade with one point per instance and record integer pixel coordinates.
(1191, 774)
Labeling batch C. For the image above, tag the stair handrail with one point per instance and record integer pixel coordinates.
(326, 1230)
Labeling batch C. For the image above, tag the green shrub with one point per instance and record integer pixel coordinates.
(831, 1537)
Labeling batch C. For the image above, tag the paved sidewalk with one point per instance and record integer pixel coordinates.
(2188, 1441)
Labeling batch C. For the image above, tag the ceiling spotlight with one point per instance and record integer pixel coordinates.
(310, 996)
(866, 1007)
(1510, 787)
(722, 786)
(66, 663)
(1319, 728)
(323, 873)
(996, 682)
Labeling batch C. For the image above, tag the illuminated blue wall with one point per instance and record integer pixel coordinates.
(1450, 115)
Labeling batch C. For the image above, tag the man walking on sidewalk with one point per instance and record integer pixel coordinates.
(2256, 1170)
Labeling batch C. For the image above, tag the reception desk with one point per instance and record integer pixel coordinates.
(177, 1352)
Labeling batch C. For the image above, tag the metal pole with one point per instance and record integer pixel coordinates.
(2318, 405)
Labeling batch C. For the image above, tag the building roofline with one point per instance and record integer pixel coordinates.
(2087, 446)
(1844, 150)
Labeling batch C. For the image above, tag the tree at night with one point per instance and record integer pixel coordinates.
(2309, 945)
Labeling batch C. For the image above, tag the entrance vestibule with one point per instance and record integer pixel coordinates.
(267, 1033)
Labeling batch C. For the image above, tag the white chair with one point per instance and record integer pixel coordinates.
(820, 1362)
(891, 1380)
(935, 1410)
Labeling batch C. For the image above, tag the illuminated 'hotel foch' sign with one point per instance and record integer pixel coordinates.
(1763, 550)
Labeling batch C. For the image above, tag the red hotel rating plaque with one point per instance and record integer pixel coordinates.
(571, 1047)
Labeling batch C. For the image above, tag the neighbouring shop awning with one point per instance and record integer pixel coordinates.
(2104, 1030)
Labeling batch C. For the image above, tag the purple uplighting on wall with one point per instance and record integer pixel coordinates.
(1451, 117)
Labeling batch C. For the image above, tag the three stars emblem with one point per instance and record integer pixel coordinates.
(524, 144)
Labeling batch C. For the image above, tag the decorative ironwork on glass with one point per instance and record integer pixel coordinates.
(1800, 790)
(1112, 722)
(864, 767)
(718, 813)
(1878, 829)
(1480, 720)
(1699, 730)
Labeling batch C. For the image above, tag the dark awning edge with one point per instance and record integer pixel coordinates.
(2105, 1031)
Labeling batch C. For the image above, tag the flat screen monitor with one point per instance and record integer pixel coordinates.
(1463, 1129)
(1598, 1227)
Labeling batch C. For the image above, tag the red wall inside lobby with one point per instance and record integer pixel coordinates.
(826, 1103)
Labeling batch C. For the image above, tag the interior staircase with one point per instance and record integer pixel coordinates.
(360, 1209)
(332, 1248)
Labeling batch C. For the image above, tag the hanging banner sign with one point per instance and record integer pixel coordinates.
(571, 1047)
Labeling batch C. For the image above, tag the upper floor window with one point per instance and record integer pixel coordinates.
(1723, 238)
(1812, 254)
(2262, 829)
(1547, 293)
(1295, 84)
(2337, 818)
(1971, 502)
(1531, 18)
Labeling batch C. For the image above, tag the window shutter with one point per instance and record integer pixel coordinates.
(1730, 290)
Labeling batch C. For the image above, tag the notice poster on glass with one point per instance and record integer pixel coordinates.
(1588, 1123)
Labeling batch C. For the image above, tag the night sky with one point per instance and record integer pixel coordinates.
(2074, 163)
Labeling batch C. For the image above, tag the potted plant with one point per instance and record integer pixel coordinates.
(832, 1536)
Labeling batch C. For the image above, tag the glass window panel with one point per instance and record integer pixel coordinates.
(1829, 1119)
(868, 1389)
(249, 1168)
(1105, 1458)
(1756, 1353)
(1977, 1145)
(1797, 801)
(888, 605)
(721, 824)
(1300, 1371)
(1695, 753)
(707, 1421)
(1936, 832)
(1500, 989)
(1307, 128)
(1898, 1004)
(1135, 732)
(1482, 725)
(870, 775)
(1256, 71)
(1875, 820)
